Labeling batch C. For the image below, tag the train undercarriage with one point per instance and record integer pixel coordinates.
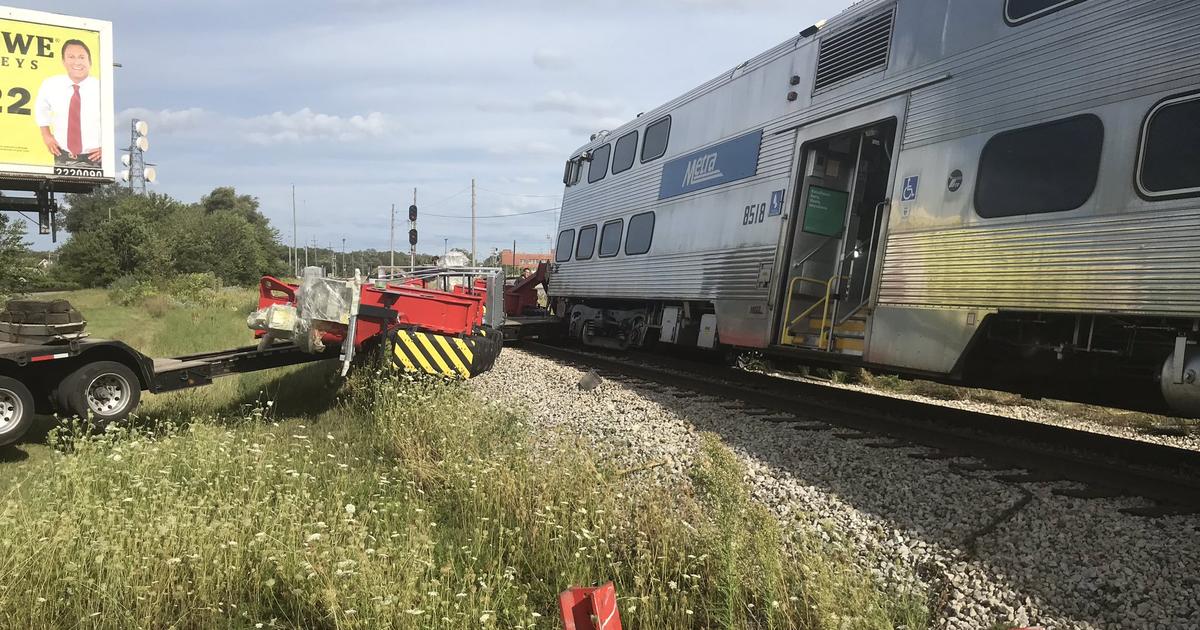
(1126, 362)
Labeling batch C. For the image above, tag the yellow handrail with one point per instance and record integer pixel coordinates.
(823, 302)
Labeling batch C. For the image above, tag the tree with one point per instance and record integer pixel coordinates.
(223, 243)
(14, 252)
(90, 210)
(226, 199)
(121, 246)
(115, 232)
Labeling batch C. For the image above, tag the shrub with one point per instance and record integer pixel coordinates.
(130, 291)
(156, 305)
(195, 289)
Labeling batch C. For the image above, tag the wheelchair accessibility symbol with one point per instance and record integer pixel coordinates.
(911, 184)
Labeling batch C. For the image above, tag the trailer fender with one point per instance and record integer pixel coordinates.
(452, 356)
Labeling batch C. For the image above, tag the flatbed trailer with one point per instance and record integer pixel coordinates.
(103, 379)
(421, 320)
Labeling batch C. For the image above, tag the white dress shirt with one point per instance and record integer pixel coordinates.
(54, 105)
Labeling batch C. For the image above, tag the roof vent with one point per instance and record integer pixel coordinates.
(855, 50)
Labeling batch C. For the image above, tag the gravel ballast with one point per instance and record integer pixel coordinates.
(1057, 562)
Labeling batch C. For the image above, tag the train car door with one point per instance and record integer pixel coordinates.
(844, 171)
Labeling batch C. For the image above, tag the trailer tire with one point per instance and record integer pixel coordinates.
(102, 392)
(16, 410)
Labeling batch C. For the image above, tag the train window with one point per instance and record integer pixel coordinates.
(1018, 11)
(655, 144)
(1050, 167)
(566, 239)
(586, 245)
(625, 152)
(641, 232)
(1169, 161)
(610, 238)
(599, 165)
(571, 172)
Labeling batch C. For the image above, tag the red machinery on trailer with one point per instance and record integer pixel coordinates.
(438, 321)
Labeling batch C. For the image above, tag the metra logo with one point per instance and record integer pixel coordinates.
(701, 169)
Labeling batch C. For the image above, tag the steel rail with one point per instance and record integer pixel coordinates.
(1109, 464)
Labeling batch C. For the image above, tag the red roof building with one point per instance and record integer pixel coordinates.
(522, 259)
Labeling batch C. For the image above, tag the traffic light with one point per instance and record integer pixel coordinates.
(412, 212)
(412, 237)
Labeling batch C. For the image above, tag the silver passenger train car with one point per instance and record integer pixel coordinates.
(1002, 193)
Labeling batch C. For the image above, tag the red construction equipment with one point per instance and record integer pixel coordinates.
(521, 298)
(434, 320)
(593, 608)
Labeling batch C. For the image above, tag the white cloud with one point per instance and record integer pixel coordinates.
(576, 103)
(301, 126)
(168, 121)
(306, 125)
(532, 148)
(552, 59)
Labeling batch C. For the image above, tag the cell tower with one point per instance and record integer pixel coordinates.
(137, 171)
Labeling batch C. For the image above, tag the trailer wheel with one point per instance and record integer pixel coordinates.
(104, 392)
(16, 410)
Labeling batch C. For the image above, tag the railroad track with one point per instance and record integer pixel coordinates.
(1108, 466)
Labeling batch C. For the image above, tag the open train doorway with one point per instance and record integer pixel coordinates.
(841, 203)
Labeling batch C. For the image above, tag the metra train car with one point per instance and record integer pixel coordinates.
(996, 192)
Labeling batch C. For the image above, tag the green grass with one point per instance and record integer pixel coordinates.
(389, 502)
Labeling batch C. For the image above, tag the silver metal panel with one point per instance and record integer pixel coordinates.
(708, 274)
(669, 330)
(920, 339)
(1136, 262)
(1089, 55)
(744, 323)
(708, 331)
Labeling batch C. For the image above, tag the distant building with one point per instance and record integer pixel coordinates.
(522, 259)
(455, 258)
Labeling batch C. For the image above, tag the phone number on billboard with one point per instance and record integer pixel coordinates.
(70, 171)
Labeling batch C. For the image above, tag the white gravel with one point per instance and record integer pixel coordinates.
(1058, 563)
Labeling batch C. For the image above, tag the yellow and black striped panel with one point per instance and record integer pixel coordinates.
(441, 355)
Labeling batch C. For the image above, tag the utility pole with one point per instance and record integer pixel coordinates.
(392, 238)
(343, 255)
(445, 247)
(472, 221)
(516, 270)
(332, 260)
(295, 259)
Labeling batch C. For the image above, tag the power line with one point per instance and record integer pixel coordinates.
(508, 194)
(445, 199)
(490, 216)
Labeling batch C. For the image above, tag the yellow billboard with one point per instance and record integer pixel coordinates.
(56, 103)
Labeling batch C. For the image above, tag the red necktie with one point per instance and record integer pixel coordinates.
(74, 134)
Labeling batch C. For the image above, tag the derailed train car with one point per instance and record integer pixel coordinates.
(1003, 193)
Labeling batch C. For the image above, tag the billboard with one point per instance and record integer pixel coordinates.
(56, 100)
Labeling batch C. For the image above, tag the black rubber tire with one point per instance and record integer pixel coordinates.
(117, 381)
(16, 410)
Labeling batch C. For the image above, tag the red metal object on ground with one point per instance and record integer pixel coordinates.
(399, 304)
(590, 608)
(522, 295)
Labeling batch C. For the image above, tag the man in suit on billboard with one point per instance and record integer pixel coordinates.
(68, 110)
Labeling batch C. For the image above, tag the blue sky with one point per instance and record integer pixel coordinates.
(358, 101)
